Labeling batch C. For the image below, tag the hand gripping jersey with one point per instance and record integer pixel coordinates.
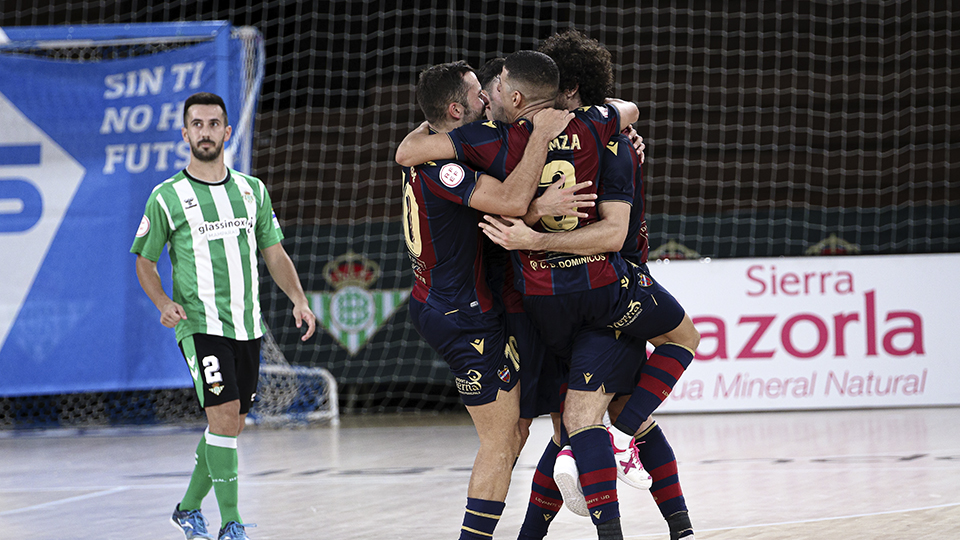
(213, 232)
(443, 237)
(621, 164)
(574, 156)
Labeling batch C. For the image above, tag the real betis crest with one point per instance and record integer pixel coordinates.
(353, 313)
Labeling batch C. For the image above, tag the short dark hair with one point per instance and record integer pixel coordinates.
(583, 63)
(440, 85)
(204, 98)
(535, 73)
(490, 70)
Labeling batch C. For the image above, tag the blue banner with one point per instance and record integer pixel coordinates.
(82, 145)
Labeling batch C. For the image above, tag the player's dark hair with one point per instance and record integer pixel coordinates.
(204, 98)
(439, 86)
(490, 70)
(583, 63)
(534, 73)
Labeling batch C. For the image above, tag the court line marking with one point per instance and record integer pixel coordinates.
(64, 501)
(813, 520)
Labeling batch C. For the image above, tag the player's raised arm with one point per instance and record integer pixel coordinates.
(629, 112)
(420, 146)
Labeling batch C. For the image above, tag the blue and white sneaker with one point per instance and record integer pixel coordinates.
(191, 523)
(234, 531)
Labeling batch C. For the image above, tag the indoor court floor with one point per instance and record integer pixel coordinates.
(863, 474)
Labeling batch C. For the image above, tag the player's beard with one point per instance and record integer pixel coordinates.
(206, 155)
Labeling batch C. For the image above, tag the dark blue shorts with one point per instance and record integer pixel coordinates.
(590, 327)
(541, 373)
(474, 346)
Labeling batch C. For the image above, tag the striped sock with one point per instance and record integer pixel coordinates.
(545, 498)
(658, 376)
(598, 472)
(480, 519)
(222, 461)
(200, 482)
(659, 461)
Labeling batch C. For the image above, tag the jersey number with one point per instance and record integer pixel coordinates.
(553, 172)
(411, 221)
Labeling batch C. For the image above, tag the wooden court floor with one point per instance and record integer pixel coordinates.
(866, 474)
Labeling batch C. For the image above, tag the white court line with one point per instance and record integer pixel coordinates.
(814, 520)
(63, 501)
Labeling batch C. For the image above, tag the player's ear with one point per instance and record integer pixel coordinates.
(454, 110)
(226, 133)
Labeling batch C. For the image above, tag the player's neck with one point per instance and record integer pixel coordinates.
(211, 172)
(528, 110)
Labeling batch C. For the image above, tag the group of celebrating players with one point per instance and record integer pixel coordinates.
(535, 162)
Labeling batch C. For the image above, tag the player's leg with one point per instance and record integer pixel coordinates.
(496, 424)
(187, 515)
(673, 352)
(230, 370)
(658, 459)
(590, 443)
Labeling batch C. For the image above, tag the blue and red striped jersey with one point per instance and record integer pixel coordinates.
(622, 165)
(443, 237)
(574, 156)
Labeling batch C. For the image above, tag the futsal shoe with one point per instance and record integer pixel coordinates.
(567, 477)
(234, 531)
(191, 523)
(627, 457)
(680, 527)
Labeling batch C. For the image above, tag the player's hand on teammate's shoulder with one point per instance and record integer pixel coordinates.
(637, 141)
(551, 122)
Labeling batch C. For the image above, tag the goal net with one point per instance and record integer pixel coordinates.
(772, 129)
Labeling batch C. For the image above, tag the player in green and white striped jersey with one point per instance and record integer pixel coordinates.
(214, 221)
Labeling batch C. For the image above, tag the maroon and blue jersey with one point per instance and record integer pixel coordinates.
(621, 164)
(574, 156)
(443, 237)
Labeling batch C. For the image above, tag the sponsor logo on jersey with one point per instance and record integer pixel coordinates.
(353, 313)
(587, 377)
(212, 230)
(504, 374)
(144, 227)
(478, 345)
(189, 203)
(471, 385)
(451, 175)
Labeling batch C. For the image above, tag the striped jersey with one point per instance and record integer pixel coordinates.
(620, 165)
(443, 236)
(213, 232)
(574, 156)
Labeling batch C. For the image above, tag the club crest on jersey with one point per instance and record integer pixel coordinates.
(644, 280)
(451, 175)
(144, 227)
(215, 389)
(248, 197)
(504, 374)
